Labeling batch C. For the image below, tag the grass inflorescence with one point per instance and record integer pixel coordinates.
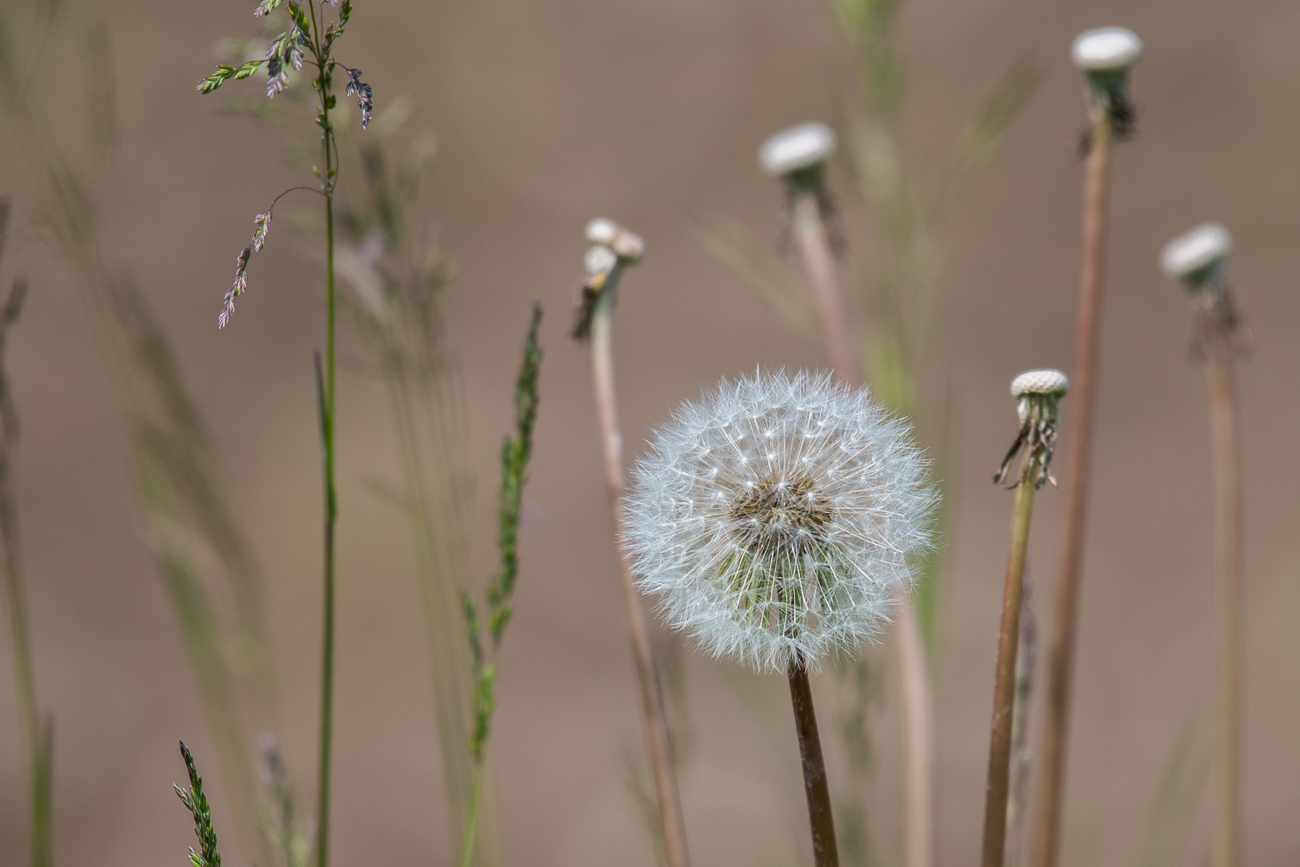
(197, 803)
(515, 454)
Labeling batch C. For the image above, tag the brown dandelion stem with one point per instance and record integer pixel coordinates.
(1222, 383)
(820, 814)
(653, 718)
(917, 701)
(1004, 682)
(819, 264)
(1060, 665)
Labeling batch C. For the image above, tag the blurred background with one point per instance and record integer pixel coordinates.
(549, 113)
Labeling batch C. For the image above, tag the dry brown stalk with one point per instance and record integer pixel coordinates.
(1060, 655)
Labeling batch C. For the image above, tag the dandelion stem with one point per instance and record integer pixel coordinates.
(1004, 683)
(820, 814)
(1047, 822)
(819, 264)
(652, 703)
(918, 703)
(1222, 383)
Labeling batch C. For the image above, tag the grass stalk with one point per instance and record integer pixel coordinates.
(1004, 683)
(820, 813)
(516, 452)
(1222, 384)
(653, 717)
(1045, 841)
(918, 702)
(36, 735)
(327, 406)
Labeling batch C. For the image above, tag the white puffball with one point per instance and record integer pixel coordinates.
(797, 148)
(1106, 49)
(1194, 250)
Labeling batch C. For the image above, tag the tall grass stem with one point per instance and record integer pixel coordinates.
(1045, 840)
(325, 68)
(653, 715)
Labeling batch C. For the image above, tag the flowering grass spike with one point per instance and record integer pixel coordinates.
(775, 516)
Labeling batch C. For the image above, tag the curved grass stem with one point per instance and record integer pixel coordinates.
(1045, 842)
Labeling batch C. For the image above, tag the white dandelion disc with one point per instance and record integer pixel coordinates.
(774, 517)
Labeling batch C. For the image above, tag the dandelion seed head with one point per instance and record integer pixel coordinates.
(1045, 381)
(1106, 49)
(602, 231)
(775, 516)
(796, 149)
(1196, 251)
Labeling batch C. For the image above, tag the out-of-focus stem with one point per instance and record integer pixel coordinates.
(820, 813)
(918, 703)
(328, 416)
(1222, 382)
(1004, 683)
(36, 738)
(1047, 822)
(652, 703)
(819, 265)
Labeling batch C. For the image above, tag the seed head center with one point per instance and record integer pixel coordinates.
(781, 516)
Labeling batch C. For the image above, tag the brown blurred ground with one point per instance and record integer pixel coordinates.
(550, 113)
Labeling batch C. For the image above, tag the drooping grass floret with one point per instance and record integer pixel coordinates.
(774, 517)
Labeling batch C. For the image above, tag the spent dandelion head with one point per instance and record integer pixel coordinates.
(798, 156)
(612, 248)
(1199, 260)
(1038, 393)
(775, 516)
(1105, 55)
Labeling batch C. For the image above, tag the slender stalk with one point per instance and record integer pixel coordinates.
(1221, 379)
(1004, 683)
(819, 264)
(324, 66)
(471, 817)
(918, 703)
(36, 738)
(820, 814)
(1045, 841)
(652, 703)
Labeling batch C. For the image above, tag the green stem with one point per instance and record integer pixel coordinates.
(327, 434)
(35, 737)
(471, 818)
(1004, 684)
